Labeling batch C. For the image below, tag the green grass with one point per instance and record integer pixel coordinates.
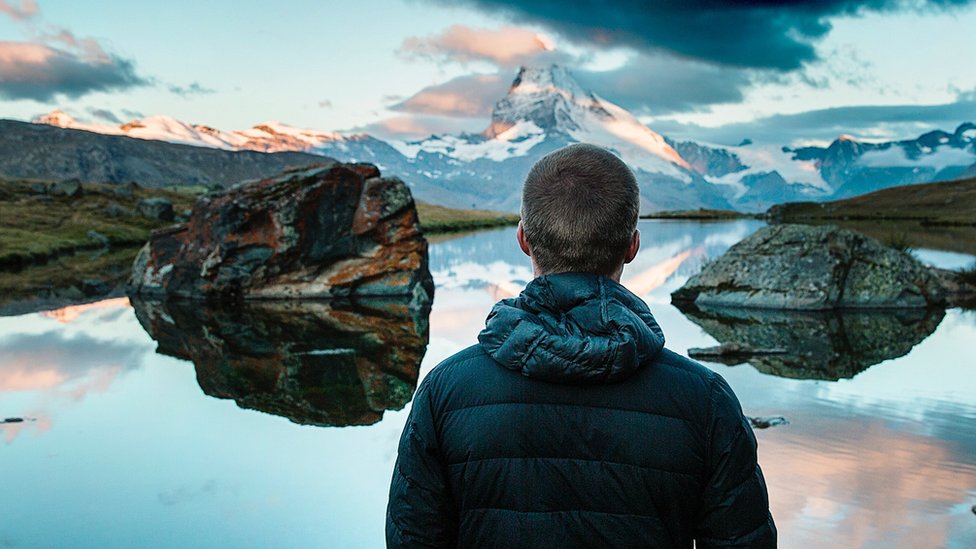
(35, 227)
(701, 214)
(440, 219)
(943, 203)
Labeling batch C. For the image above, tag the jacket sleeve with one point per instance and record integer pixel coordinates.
(735, 507)
(421, 511)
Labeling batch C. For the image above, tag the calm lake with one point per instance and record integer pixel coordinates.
(277, 425)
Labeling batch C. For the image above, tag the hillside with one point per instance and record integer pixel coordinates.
(944, 203)
(40, 151)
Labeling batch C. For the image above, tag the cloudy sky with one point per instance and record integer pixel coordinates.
(777, 71)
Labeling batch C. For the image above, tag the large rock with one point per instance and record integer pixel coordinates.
(69, 187)
(325, 363)
(338, 230)
(156, 208)
(813, 267)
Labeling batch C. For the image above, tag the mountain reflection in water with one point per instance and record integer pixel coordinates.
(315, 363)
(825, 345)
(124, 450)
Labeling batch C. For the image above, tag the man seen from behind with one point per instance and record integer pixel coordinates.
(570, 424)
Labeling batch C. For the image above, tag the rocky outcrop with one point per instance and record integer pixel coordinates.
(338, 230)
(825, 345)
(816, 268)
(320, 363)
(156, 208)
(711, 161)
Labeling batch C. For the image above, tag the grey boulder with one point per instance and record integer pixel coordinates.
(813, 268)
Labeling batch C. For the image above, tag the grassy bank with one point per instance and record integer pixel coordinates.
(702, 214)
(945, 203)
(439, 219)
(37, 225)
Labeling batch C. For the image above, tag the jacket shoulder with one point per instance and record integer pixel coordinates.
(683, 365)
(457, 363)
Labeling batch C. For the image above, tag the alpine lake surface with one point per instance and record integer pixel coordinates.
(276, 425)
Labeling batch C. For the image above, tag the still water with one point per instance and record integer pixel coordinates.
(277, 425)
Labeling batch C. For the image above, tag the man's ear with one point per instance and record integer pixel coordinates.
(634, 246)
(523, 243)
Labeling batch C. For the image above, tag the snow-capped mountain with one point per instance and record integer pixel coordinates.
(266, 137)
(851, 167)
(545, 109)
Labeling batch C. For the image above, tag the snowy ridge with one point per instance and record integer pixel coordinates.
(769, 158)
(515, 141)
(266, 137)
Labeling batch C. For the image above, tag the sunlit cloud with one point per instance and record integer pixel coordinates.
(18, 12)
(408, 126)
(37, 71)
(504, 47)
(466, 96)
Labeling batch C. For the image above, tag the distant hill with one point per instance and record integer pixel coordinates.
(40, 151)
(942, 203)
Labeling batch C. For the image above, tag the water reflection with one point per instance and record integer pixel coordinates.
(886, 459)
(825, 345)
(315, 363)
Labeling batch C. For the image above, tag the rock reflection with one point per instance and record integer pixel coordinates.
(827, 345)
(315, 363)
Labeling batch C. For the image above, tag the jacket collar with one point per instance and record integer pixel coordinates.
(573, 328)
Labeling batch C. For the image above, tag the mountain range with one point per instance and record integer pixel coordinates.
(544, 109)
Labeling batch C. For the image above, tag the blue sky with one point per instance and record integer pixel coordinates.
(788, 72)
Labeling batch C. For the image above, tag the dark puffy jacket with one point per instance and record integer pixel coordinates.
(570, 425)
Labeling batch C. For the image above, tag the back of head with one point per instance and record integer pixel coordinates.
(579, 210)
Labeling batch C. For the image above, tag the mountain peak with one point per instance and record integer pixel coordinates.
(551, 79)
(549, 97)
(550, 101)
(57, 117)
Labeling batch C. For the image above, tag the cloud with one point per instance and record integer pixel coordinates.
(420, 126)
(465, 96)
(325, 104)
(824, 125)
(104, 114)
(766, 34)
(30, 70)
(50, 360)
(659, 84)
(195, 88)
(26, 10)
(506, 47)
(969, 96)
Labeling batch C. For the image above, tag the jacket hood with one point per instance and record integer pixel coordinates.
(572, 328)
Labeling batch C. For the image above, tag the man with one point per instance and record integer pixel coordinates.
(569, 424)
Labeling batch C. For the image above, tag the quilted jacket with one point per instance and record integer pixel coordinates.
(570, 425)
